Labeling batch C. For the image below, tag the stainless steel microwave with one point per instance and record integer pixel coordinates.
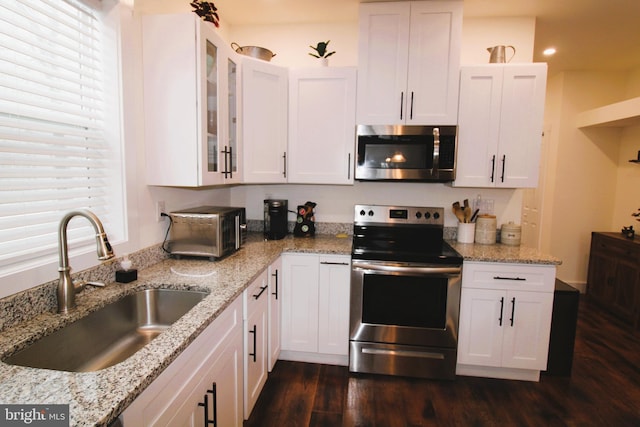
(207, 231)
(406, 153)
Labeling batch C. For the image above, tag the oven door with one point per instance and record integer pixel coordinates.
(411, 153)
(405, 303)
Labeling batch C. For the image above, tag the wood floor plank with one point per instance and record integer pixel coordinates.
(603, 390)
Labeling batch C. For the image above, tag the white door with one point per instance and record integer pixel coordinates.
(479, 126)
(275, 312)
(526, 337)
(383, 53)
(482, 316)
(434, 63)
(523, 93)
(264, 122)
(333, 301)
(322, 125)
(300, 302)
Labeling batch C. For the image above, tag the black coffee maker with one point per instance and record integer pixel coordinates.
(275, 219)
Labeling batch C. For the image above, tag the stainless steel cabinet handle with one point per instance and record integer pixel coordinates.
(333, 263)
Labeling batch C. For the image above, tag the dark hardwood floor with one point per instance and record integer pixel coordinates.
(603, 390)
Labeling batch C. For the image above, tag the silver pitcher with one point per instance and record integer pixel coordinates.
(498, 54)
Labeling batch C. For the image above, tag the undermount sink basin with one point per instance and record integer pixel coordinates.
(110, 334)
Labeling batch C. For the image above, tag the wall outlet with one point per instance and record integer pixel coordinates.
(160, 209)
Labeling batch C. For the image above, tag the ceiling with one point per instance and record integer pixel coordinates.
(588, 34)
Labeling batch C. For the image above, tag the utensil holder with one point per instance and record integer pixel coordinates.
(466, 232)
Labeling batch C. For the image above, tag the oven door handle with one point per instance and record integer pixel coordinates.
(408, 268)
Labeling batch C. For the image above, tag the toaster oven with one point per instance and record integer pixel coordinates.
(207, 231)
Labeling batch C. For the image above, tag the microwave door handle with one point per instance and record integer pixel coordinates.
(436, 152)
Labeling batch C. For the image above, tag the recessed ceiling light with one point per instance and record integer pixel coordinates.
(549, 51)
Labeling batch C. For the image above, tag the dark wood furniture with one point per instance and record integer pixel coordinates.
(614, 275)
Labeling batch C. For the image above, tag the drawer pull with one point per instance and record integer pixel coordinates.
(262, 289)
(509, 278)
(333, 263)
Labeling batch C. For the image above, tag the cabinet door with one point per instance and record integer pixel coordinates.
(500, 125)
(182, 104)
(526, 326)
(275, 312)
(256, 341)
(479, 125)
(219, 387)
(481, 327)
(523, 94)
(321, 125)
(434, 63)
(333, 305)
(214, 357)
(383, 53)
(231, 148)
(264, 122)
(300, 302)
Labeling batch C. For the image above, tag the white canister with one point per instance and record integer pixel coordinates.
(466, 232)
(510, 234)
(486, 226)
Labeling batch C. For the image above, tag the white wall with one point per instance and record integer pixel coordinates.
(590, 186)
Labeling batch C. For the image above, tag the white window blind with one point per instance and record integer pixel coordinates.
(53, 154)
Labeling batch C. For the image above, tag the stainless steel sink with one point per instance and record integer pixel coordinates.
(110, 334)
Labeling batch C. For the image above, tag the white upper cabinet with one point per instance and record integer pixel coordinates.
(322, 107)
(409, 60)
(186, 89)
(500, 125)
(264, 121)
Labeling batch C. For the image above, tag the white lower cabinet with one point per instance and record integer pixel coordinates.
(275, 312)
(207, 374)
(315, 308)
(505, 320)
(256, 333)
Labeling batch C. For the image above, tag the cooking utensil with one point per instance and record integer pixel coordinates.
(466, 211)
(475, 214)
(253, 51)
(458, 212)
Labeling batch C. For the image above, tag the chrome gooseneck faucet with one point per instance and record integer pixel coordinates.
(66, 288)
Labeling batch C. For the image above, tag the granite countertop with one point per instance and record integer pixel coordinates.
(96, 398)
(502, 253)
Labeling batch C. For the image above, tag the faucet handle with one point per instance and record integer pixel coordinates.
(81, 284)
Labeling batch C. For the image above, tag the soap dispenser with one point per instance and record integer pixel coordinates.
(125, 273)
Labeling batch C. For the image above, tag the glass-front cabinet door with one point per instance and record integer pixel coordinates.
(231, 156)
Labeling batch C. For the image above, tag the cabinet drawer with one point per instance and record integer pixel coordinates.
(524, 277)
(615, 248)
(255, 294)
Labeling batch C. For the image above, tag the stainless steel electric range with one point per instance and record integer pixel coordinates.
(405, 293)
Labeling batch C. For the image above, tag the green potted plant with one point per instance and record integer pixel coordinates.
(320, 51)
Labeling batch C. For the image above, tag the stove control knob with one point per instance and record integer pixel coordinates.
(436, 215)
(362, 212)
(370, 213)
(427, 215)
(418, 215)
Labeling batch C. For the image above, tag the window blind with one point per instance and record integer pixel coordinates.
(53, 153)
